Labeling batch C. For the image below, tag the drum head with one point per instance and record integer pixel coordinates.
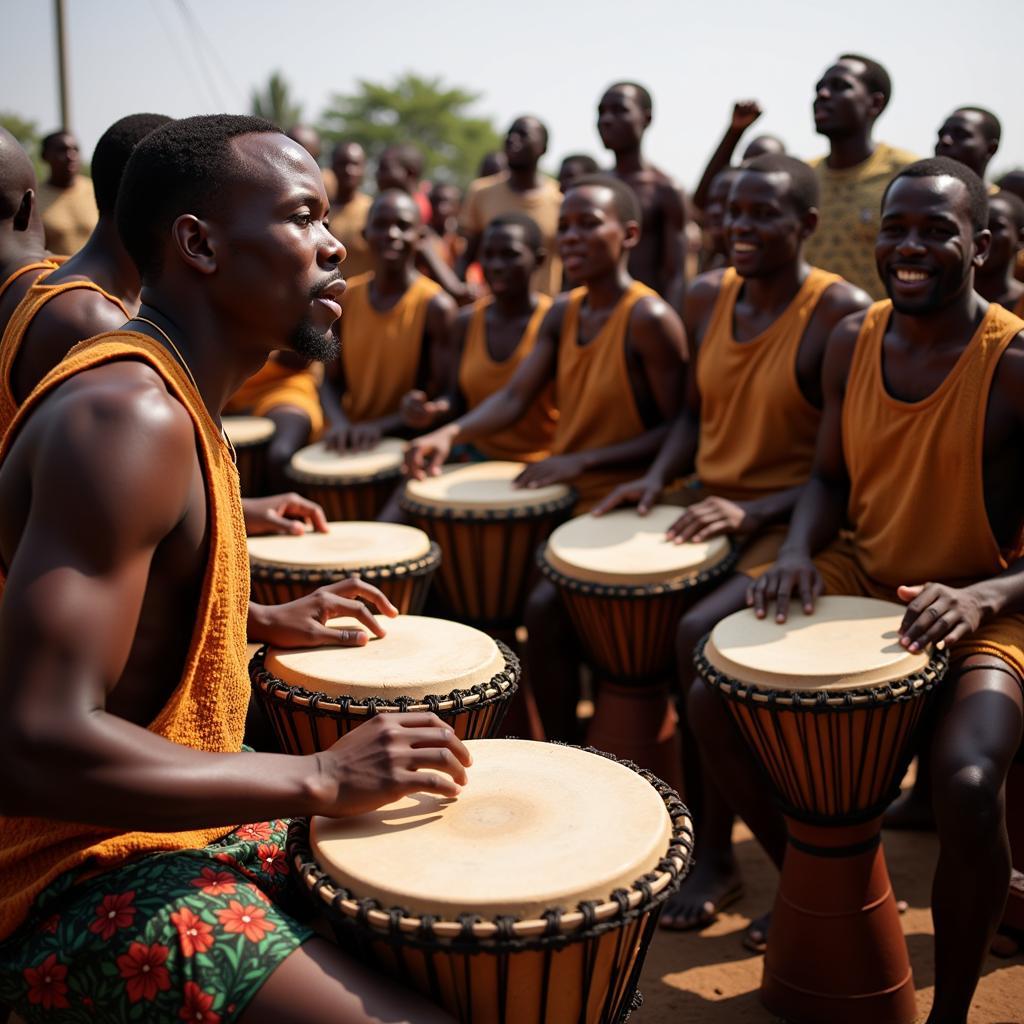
(624, 548)
(846, 644)
(345, 546)
(482, 485)
(538, 826)
(418, 657)
(318, 460)
(246, 430)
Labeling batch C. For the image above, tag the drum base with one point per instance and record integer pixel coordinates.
(639, 724)
(836, 951)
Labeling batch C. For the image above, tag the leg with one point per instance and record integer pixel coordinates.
(978, 733)
(714, 882)
(553, 661)
(318, 984)
(913, 811)
(293, 426)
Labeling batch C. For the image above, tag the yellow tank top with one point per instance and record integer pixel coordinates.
(207, 709)
(380, 352)
(480, 376)
(593, 392)
(757, 430)
(21, 319)
(917, 497)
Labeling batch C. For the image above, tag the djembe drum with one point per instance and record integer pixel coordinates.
(398, 560)
(829, 704)
(488, 531)
(349, 485)
(250, 436)
(315, 695)
(626, 587)
(531, 898)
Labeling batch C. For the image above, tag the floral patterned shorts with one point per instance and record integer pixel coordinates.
(188, 935)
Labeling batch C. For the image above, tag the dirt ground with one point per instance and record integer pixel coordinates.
(709, 978)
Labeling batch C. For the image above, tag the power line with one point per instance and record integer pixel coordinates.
(187, 72)
(203, 39)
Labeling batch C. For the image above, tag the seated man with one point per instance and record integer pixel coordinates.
(141, 866)
(925, 384)
(749, 428)
(615, 353)
(394, 327)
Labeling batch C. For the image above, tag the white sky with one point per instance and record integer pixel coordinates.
(548, 57)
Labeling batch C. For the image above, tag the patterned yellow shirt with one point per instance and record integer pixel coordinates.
(851, 201)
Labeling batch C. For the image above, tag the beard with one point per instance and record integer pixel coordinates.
(313, 342)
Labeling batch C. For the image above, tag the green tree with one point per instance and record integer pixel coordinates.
(274, 102)
(27, 133)
(419, 110)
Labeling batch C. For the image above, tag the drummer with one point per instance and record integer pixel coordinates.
(615, 353)
(490, 340)
(915, 389)
(123, 853)
(749, 427)
(394, 332)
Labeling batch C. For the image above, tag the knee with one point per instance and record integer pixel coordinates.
(704, 709)
(968, 798)
(692, 628)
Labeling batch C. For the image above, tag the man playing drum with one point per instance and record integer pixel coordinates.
(749, 426)
(124, 875)
(920, 451)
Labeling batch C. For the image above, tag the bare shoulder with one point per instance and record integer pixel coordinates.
(842, 341)
(1009, 375)
(442, 304)
(75, 315)
(839, 301)
(701, 296)
(653, 322)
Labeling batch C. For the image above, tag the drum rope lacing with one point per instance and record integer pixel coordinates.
(267, 572)
(488, 515)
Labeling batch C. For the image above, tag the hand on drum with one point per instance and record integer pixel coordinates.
(419, 412)
(391, 756)
(790, 573)
(937, 614)
(352, 437)
(427, 454)
(644, 493)
(556, 469)
(282, 513)
(302, 623)
(713, 517)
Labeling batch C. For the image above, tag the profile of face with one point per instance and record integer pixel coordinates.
(962, 137)
(621, 118)
(507, 259)
(393, 229)
(348, 161)
(927, 248)
(63, 156)
(764, 228)
(1007, 238)
(525, 143)
(714, 210)
(843, 104)
(277, 266)
(591, 237)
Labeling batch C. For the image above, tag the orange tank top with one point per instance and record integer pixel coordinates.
(593, 392)
(207, 709)
(42, 266)
(757, 430)
(380, 352)
(917, 496)
(21, 319)
(480, 376)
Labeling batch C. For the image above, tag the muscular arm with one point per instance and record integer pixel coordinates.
(429, 262)
(744, 114)
(673, 254)
(440, 363)
(61, 324)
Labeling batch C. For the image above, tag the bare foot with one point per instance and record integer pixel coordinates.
(708, 891)
(910, 812)
(755, 938)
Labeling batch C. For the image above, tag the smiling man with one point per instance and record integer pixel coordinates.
(129, 889)
(919, 458)
(849, 98)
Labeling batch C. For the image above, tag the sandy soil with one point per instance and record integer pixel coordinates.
(709, 978)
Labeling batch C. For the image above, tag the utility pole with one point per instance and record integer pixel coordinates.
(62, 65)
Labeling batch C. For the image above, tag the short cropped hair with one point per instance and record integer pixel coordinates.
(875, 77)
(394, 193)
(1015, 203)
(530, 229)
(990, 125)
(642, 94)
(186, 166)
(945, 167)
(590, 165)
(804, 189)
(627, 206)
(110, 157)
(49, 140)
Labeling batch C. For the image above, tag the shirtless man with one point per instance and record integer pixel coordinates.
(748, 427)
(970, 135)
(623, 116)
(123, 629)
(959, 573)
(994, 279)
